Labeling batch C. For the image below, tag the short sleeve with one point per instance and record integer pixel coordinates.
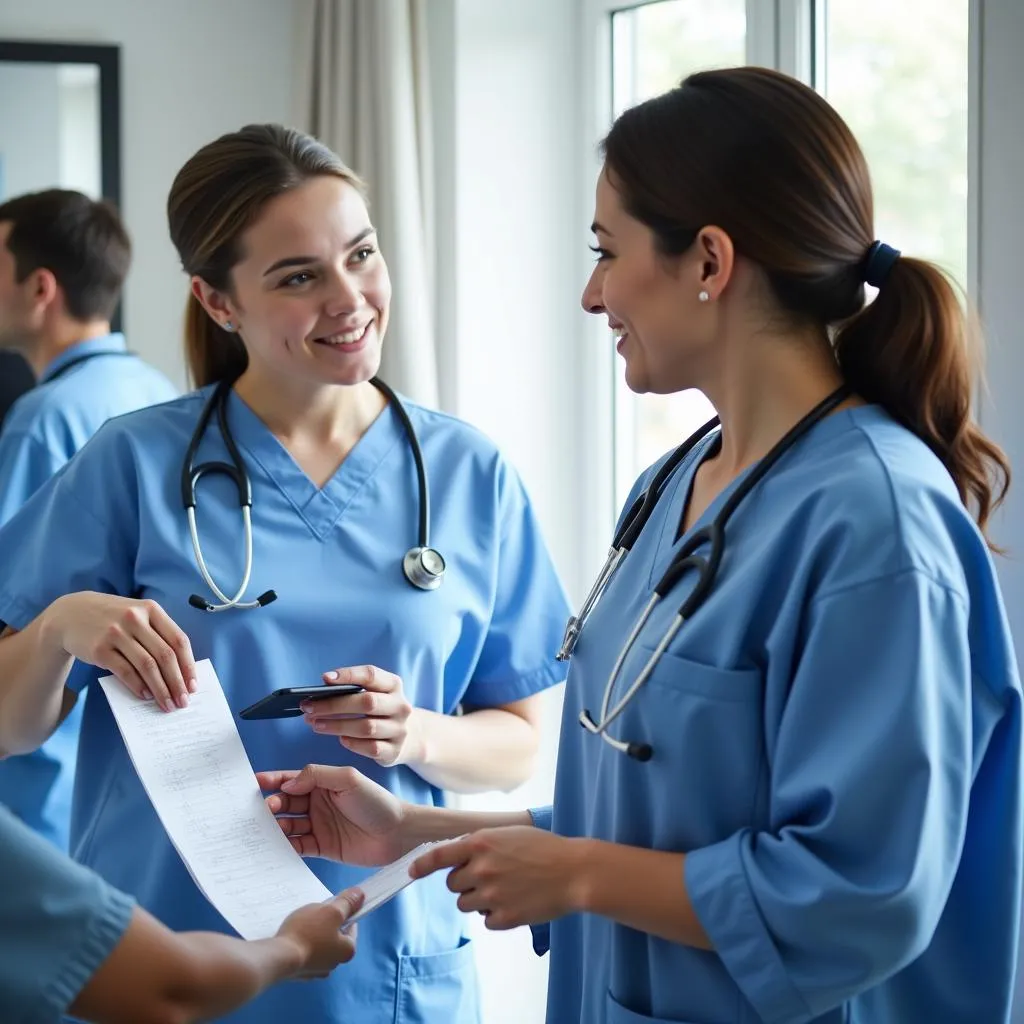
(25, 465)
(869, 799)
(64, 539)
(58, 923)
(528, 614)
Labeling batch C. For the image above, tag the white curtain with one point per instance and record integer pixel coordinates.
(363, 90)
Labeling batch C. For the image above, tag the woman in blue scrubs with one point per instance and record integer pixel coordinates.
(827, 826)
(290, 299)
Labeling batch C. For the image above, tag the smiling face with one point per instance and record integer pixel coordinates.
(310, 295)
(651, 301)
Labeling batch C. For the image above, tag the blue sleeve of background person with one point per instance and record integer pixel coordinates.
(871, 780)
(79, 531)
(58, 923)
(26, 463)
(528, 614)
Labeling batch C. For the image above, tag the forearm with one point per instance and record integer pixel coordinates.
(483, 750)
(642, 889)
(155, 976)
(33, 671)
(431, 824)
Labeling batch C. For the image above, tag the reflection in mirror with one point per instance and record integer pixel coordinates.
(49, 128)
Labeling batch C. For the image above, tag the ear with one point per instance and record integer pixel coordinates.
(217, 303)
(717, 259)
(42, 287)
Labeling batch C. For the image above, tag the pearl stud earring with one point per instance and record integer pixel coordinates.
(703, 295)
(228, 325)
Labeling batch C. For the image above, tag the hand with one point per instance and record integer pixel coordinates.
(337, 813)
(136, 641)
(379, 724)
(514, 875)
(316, 930)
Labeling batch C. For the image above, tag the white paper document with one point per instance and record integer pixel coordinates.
(388, 882)
(195, 770)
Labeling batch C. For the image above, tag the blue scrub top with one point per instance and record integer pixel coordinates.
(58, 923)
(45, 428)
(837, 749)
(113, 521)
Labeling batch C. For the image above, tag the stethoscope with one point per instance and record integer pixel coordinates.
(78, 360)
(422, 565)
(686, 558)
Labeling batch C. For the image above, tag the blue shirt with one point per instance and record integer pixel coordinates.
(45, 428)
(113, 521)
(58, 923)
(837, 750)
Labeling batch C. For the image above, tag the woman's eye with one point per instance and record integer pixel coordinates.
(363, 254)
(294, 280)
(601, 254)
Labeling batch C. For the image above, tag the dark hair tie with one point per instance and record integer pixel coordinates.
(878, 262)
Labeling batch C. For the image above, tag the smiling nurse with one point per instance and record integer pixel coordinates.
(289, 308)
(802, 803)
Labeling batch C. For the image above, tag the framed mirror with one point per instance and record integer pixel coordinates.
(60, 120)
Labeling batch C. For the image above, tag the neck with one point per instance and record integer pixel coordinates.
(765, 388)
(334, 414)
(48, 346)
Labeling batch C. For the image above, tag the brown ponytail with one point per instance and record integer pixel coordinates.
(211, 352)
(915, 352)
(215, 198)
(765, 158)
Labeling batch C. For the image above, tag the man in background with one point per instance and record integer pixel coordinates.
(16, 378)
(63, 260)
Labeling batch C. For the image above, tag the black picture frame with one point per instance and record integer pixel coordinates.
(107, 57)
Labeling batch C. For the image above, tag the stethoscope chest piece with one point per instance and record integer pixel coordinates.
(424, 567)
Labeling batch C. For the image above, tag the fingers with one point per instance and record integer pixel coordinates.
(147, 673)
(450, 855)
(355, 704)
(320, 776)
(358, 728)
(282, 803)
(271, 782)
(369, 677)
(181, 649)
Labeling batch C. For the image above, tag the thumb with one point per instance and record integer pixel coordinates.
(310, 778)
(348, 901)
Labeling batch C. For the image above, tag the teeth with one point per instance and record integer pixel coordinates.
(619, 332)
(347, 338)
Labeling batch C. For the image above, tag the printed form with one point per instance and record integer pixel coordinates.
(196, 773)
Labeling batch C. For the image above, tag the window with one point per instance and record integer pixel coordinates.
(897, 72)
(655, 46)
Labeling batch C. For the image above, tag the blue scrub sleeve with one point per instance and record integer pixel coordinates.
(528, 614)
(869, 799)
(25, 465)
(541, 817)
(58, 923)
(79, 531)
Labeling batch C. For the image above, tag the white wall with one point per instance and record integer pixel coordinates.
(190, 70)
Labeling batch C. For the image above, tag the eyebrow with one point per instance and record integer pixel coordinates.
(595, 228)
(302, 261)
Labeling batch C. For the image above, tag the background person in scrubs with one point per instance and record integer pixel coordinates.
(71, 943)
(16, 377)
(63, 260)
(829, 827)
(290, 299)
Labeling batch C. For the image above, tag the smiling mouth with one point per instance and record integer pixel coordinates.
(344, 338)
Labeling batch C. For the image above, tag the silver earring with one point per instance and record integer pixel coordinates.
(703, 295)
(228, 325)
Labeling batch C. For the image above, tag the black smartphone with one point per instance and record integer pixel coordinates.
(285, 703)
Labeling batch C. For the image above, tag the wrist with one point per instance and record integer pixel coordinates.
(417, 748)
(581, 863)
(51, 626)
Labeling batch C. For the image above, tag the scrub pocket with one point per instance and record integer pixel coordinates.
(438, 987)
(616, 1013)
